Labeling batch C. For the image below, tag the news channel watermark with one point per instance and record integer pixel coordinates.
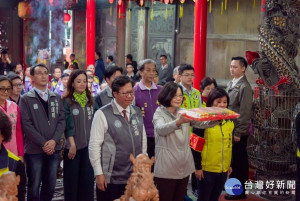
(269, 187)
(233, 187)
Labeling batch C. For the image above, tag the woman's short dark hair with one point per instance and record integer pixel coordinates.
(215, 94)
(119, 82)
(206, 82)
(70, 88)
(64, 75)
(3, 78)
(5, 127)
(167, 93)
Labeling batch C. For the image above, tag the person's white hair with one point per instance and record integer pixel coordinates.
(68, 71)
(142, 63)
(90, 65)
(175, 70)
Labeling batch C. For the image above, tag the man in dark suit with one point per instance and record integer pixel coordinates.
(5, 63)
(165, 72)
(240, 101)
(133, 63)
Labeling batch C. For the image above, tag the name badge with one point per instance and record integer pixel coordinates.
(35, 106)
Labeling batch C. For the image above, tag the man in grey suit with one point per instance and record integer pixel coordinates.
(240, 101)
(106, 96)
(165, 72)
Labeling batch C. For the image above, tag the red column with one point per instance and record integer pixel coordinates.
(200, 41)
(90, 32)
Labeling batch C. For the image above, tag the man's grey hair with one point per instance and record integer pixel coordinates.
(142, 63)
(175, 70)
(68, 71)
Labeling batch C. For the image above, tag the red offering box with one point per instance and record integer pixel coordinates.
(209, 114)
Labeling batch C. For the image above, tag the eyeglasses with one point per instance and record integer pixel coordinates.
(41, 74)
(127, 94)
(178, 96)
(150, 71)
(17, 85)
(188, 75)
(3, 90)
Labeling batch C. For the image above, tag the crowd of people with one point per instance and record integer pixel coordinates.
(105, 114)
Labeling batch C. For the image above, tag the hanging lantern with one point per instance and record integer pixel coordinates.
(181, 8)
(119, 11)
(24, 10)
(67, 17)
(141, 2)
(166, 14)
(110, 9)
(166, 1)
(151, 16)
(55, 3)
(171, 1)
(222, 8)
(129, 10)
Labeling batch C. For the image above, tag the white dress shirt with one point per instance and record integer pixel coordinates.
(234, 81)
(165, 66)
(99, 128)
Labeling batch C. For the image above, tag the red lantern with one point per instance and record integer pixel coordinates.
(166, 1)
(182, 1)
(111, 1)
(120, 2)
(67, 17)
(141, 2)
(24, 10)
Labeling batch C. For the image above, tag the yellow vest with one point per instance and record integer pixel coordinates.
(11, 156)
(216, 153)
(193, 102)
(96, 79)
(203, 104)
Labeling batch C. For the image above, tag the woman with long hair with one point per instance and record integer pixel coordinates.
(79, 112)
